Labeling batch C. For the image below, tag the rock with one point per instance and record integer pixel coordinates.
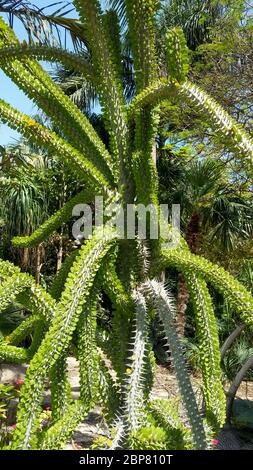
(87, 431)
(9, 373)
(229, 439)
(12, 412)
(247, 439)
(238, 436)
(243, 414)
(73, 373)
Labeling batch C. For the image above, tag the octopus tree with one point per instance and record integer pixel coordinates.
(116, 373)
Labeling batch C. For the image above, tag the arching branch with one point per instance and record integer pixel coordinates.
(39, 86)
(231, 133)
(57, 338)
(236, 384)
(45, 138)
(165, 310)
(50, 54)
(54, 222)
(229, 341)
(233, 290)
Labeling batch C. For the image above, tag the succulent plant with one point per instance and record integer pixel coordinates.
(127, 270)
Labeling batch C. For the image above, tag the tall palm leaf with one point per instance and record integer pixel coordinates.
(196, 17)
(48, 24)
(22, 195)
(81, 91)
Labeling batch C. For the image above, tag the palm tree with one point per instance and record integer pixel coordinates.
(32, 186)
(47, 24)
(212, 205)
(23, 198)
(196, 17)
(75, 85)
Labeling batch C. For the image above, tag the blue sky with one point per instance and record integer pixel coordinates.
(11, 93)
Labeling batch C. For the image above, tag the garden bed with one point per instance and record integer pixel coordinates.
(165, 386)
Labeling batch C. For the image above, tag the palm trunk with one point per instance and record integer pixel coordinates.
(235, 385)
(59, 254)
(182, 302)
(25, 258)
(192, 235)
(37, 264)
(62, 200)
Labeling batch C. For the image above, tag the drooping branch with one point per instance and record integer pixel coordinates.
(12, 286)
(221, 280)
(38, 301)
(7, 269)
(12, 354)
(57, 339)
(22, 287)
(87, 350)
(153, 95)
(61, 396)
(230, 133)
(50, 54)
(23, 330)
(59, 281)
(58, 434)
(209, 351)
(165, 309)
(37, 84)
(109, 391)
(133, 381)
(49, 140)
(54, 222)
(60, 389)
(123, 307)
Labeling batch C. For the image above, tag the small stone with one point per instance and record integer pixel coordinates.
(12, 373)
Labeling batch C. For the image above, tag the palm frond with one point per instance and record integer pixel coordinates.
(46, 25)
(120, 7)
(80, 90)
(194, 16)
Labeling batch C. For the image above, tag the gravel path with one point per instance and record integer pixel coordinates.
(165, 386)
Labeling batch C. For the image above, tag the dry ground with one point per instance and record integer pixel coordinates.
(165, 386)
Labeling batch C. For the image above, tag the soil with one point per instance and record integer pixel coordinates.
(165, 386)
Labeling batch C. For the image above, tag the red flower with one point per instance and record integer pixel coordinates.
(46, 407)
(19, 382)
(215, 442)
(13, 426)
